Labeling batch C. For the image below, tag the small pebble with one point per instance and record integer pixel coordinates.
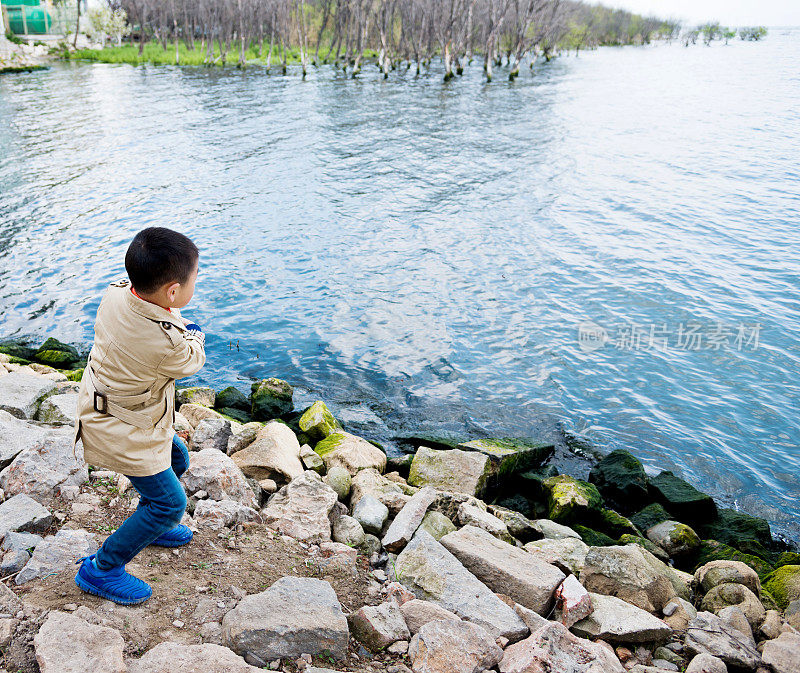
(178, 624)
(70, 607)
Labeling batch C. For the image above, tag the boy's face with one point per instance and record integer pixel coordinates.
(179, 295)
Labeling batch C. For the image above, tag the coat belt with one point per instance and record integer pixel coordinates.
(107, 402)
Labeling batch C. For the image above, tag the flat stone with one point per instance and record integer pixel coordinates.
(274, 454)
(350, 452)
(470, 515)
(708, 634)
(23, 513)
(568, 553)
(509, 455)
(437, 525)
(417, 613)
(296, 615)
(211, 433)
(505, 569)
(553, 649)
(301, 509)
(432, 573)
(733, 616)
(47, 470)
(21, 394)
(68, 644)
(371, 513)
(180, 658)
(243, 437)
(219, 476)
(405, 524)
(554, 531)
(218, 514)
(616, 621)
(781, 654)
(194, 413)
(17, 435)
(57, 552)
(378, 626)
(13, 561)
(446, 646)
(61, 409)
(451, 470)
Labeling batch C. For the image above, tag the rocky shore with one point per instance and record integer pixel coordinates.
(315, 551)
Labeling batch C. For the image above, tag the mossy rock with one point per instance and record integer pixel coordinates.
(57, 354)
(509, 455)
(653, 548)
(784, 585)
(732, 527)
(594, 538)
(202, 395)
(270, 398)
(620, 478)
(614, 524)
(650, 516)
(788, 558)
(235, 414)
(681, 499)
(530, 484)
(713, 550)
(400, 464)
(317, 422)
(75, 374)
(232, 398)
(16, 350)
(570, 499)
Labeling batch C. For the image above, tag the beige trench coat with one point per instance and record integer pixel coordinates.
(126, 403)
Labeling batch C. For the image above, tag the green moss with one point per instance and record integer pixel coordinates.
(232, 397)
(784, 585)
(654, 549)
(684, 536)
(235, 414)
(330, 443)
(615, 524)
(56, 354)
(650, 516)
(788, 558)
(571, 499)
(593, 538)
(620, 477)
(733, 528)
(681, 499)
(317, 422)
(713, 550)
(19, 351)
(510, 455)
(75, 374)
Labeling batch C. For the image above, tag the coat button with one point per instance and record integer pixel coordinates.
(166, 324)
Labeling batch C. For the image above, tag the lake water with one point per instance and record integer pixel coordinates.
(431, 252)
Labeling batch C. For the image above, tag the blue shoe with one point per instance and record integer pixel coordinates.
(178, 536)
(115, 584)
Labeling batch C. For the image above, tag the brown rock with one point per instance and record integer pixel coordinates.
(417, 613)
(378, 626)
(447, 646)
(67, 644)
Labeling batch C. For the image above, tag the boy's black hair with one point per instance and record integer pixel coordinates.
(157, 256)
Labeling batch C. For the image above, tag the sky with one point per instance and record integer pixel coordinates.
(729, 12)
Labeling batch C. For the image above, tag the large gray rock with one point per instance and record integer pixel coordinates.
(471, 515)
(215, 473)
(405, 524)
(378, 626)
(708, 634)
(211, 433)
(567, 553)
(218, 514)
(243, 437)
(347, 530)
(446, 646)
(505, 569)
(21, 394)
(451, 470)
(417, 613)
(705, 663)
(301, 509)
(20, 541)
(194, 413)
(675, 538)
(17, 435)
(371, 513)
(204, 395)
(782, 655)
(634, 575)
(714, 573)
(390, 493)
(296, 615)
(47, 470)
(179, 658)
(617, 621)
(61, 409)
(274, 454)
(434, 574)
(68, 644)
(23, 513)
(553, 649)
(350, 452)
(57, 552)
(554, 531)
(729, 595)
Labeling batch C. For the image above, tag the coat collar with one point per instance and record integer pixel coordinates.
(148, 309)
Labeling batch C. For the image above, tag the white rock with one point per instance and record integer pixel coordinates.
(67, 644)
(617, 621)
(215, 473)
(21, 393)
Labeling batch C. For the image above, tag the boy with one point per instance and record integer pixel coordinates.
(126, 403)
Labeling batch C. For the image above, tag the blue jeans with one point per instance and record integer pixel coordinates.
(162, 503)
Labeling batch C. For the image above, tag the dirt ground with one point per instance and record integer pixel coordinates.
(195, 584)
